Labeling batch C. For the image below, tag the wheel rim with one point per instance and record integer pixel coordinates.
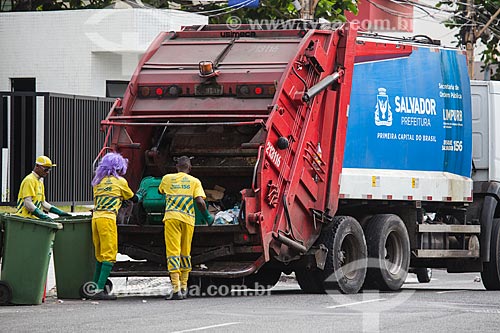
(393, 253)
(348, 255)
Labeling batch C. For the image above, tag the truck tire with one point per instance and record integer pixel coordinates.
(264, 278)
(424, 275)
(491, 270)
(311, 281)
(345, 261)
(388, 251)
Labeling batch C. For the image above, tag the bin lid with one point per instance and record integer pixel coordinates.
(74, 219)
(48, 224)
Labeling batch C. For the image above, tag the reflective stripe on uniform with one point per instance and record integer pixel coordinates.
(180, 203)
(185, 262)
(106, 203)
(173, 263)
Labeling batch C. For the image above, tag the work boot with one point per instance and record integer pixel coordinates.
(174, 296)
(101, 296)
(184, 293)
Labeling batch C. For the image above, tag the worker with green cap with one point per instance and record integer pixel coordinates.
(31, 198)
(182, 191)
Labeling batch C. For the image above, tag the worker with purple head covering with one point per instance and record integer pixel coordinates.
(110, 190)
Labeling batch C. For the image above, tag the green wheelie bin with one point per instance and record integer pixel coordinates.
(154, 203)
(74, 260)
(27, 247)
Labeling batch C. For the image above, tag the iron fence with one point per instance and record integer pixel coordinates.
(72, 139)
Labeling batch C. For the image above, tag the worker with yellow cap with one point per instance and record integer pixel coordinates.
(31, 198)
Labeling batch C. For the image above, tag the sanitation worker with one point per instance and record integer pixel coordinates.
(31, 198)
(110, 189)
(182, 191)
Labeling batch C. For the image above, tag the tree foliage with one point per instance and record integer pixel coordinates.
(483, 10)
(330, 10)
(34, 5)
(218, 12)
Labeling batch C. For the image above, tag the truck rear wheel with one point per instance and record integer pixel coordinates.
(491, 270)
(345, 261)
(264, 278)
(311, 281)
(388, 251)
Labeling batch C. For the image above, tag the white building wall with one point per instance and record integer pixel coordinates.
(76, 51)
(429, 21)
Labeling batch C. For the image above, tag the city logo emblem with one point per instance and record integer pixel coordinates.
(383, 114)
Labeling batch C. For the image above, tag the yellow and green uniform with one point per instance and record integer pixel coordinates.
(108, 197)
(31, 186)
(180, 190)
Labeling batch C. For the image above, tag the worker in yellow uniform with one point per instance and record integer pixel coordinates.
(31, 198)
(182, 191)
(110, 189)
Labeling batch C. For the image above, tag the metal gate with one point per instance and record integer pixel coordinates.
(65, 128)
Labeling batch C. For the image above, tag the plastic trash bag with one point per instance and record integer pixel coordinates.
(229, 216)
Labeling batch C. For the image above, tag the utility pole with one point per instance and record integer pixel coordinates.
(305, 13)
(470, 37)
(308, 8)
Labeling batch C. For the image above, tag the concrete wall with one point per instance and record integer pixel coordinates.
(75, 52)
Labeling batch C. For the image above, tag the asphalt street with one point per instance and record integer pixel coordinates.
(450, 302)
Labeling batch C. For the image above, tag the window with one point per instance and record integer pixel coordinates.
(116, 89)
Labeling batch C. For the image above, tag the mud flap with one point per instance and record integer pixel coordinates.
(320, 256)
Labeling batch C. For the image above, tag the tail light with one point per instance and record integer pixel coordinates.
(171, 91)
(144, 91)
(255, 90)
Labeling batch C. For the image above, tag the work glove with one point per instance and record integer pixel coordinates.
(208, 218)
(141, 193)
(41, 215)
(57, 211)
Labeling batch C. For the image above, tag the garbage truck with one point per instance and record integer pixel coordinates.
(342, 156)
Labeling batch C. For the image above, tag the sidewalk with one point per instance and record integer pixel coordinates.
(121, 286)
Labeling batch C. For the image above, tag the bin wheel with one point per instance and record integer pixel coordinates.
(87, 290)
(5, 293)
(108, 287)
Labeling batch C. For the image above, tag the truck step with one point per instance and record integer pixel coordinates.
(447, 253)
(458, 229)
